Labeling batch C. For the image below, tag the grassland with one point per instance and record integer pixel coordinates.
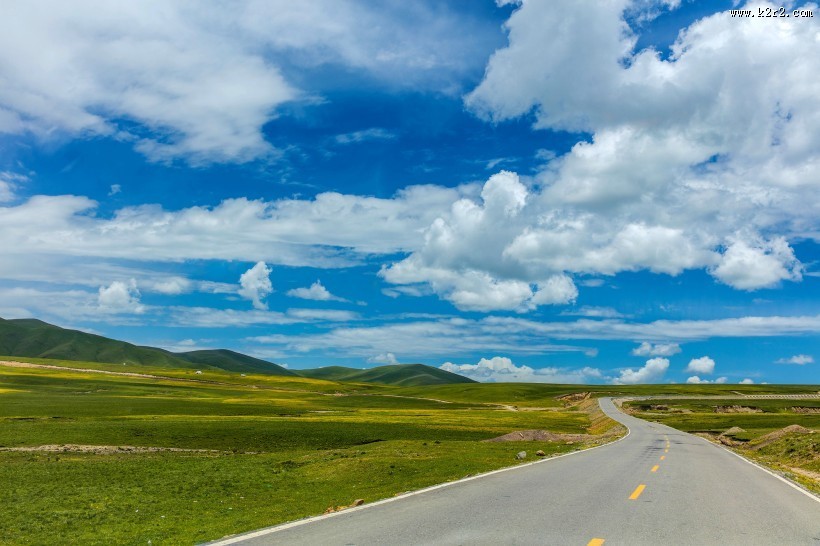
(761, 435)
(184, 458)
(249, 451)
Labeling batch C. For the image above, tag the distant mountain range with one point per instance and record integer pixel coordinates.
(37, 339)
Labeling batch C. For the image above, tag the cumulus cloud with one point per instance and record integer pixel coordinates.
(384, 358)
(199, 82)
(695, 380)
(172, 285)
(747, 381)
(255, 284)
(317, 292)
(657, 349)
(500, 369)
(763, 265)
(463, 256)
(120, 297)
(328, 230)
(672, 179)
(703, 364)
(651, 372)
(799, 360)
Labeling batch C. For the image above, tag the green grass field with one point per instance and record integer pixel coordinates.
(257, 449)
(279, 448)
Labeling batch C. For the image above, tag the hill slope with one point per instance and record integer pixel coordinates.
(405, 375)
(38, 339)
(233, 362)
(35, 338)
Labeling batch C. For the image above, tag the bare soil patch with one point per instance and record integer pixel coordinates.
(541, 436)
(737, 409)
(804, 409)
(102, 450)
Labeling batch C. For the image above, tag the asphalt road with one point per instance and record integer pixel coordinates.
(656, 486)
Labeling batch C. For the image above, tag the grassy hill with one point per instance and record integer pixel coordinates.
(232, 361)
(404, 375)
(37, 339)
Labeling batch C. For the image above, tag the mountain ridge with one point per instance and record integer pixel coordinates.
(35, 338)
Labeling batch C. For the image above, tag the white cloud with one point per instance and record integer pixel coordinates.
(501, 369)
(761, 266)
(374, 133)
(172, 285)
(695, 380)
(316, 292)
(207, 317)
(463, 256)
(115, 189)
(200, 81)
(799, 360)
(593, 312)
(330, 229)
(657, 349)
(516, 336)
(703, 364)
(747, 381)
(670, 180)
(384, 358)
(120, 297)
(255, 284)
(651, 372)
(420, 339)
(9, 181)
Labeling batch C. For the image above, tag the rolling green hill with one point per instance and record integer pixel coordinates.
(35, 338)
(405, 375)
(233, 362)
(38, 339)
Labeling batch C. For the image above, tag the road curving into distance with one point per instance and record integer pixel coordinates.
(656, 486)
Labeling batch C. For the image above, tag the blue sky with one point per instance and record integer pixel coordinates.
(616, 192)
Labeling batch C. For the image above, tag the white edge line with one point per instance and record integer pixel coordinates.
(267, 531)
(788, 482)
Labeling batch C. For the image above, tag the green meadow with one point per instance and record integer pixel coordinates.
(249, 451)
(182, 458)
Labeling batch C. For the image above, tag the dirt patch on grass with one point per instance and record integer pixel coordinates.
(102, 450)
(732, 431)
(737, 409)
(772, 437)
(541, 436)
(804, 409)
(574, 398)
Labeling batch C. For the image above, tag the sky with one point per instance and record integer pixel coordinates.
(577, 192)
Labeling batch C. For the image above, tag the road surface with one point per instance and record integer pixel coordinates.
(656, 486)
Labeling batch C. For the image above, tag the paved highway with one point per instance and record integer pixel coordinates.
(656, 486)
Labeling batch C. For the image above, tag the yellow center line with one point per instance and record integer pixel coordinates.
(596, 542)
(663, 457)
(666, 450)
(655, 468)
(637, 493)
